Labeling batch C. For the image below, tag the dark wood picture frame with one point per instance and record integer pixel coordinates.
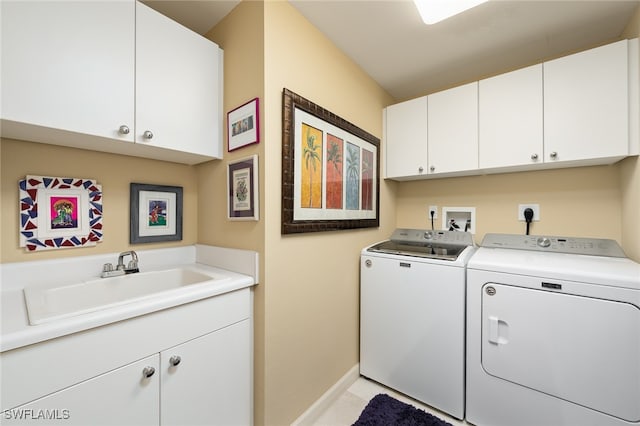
(326, 123)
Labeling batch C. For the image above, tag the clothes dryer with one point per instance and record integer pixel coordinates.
(553, 333)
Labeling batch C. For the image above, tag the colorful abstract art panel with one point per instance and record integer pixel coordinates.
(367, 180)
(58, 212)
(334, 171)
(311, 150)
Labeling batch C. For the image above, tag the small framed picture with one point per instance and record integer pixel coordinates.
(59, 212)
(243, 125)
(156, 213)
(242, 189)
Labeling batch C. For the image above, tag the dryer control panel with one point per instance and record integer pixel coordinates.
(572, 245)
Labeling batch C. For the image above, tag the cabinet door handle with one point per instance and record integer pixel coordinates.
(124, 130)
(534, 157)
(420, 169)
(147, 134)
(175, 360)
(148, 372)
(432, 168)
(553, 155)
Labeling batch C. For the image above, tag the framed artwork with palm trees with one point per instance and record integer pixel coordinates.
(330, 170)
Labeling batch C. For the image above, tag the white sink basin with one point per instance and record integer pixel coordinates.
(54, 303)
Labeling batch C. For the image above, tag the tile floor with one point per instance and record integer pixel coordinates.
(348, 407)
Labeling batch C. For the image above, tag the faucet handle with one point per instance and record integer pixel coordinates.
(107, 267)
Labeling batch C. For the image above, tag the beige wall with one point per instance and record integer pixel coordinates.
(113, 172)
(630, 178)
(306, 305)
(240, 35)
(566, 198)
(312, 280)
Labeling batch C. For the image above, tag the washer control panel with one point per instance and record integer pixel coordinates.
(572, 245)
(425, 236)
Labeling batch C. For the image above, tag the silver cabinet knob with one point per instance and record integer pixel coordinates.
(148, 372)
(368, 263)
(175, 360)
(147, 134)
(553, 155)
(421, 169)
(534, 157)
(124, 130)
(432, 168)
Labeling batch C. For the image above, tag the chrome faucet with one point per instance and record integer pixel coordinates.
(132, 266)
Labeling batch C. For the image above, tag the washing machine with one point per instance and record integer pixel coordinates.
(553, 333)
(412, 292)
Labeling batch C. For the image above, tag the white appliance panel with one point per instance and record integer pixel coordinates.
(412, 328)
(581, 349)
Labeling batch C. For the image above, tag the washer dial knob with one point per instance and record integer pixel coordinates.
(544, 242)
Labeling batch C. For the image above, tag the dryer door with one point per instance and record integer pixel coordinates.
(580, 349)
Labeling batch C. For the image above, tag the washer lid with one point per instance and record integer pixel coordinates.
(609, 271)
(427, 250)
(444, 245)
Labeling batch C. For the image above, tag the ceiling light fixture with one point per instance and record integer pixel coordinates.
(433, 11)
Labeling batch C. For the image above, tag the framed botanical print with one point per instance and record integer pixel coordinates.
(243, 189)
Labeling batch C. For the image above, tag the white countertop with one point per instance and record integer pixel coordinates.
(15, 327)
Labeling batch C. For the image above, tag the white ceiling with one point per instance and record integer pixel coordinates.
(389, 41)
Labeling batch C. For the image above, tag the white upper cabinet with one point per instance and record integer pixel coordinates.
(453, 129)
(69, 66)
(406, 138)
(510, 119)
(578, 110)
(177, 86)
(95, 74)
(586, 101)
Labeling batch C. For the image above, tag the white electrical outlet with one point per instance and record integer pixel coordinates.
(433, 209)
(534, 207)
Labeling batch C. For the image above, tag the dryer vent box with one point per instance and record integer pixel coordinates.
(459, 219)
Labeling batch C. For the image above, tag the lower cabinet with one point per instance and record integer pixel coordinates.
(189, 365)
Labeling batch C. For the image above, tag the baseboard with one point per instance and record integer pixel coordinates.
(314, 412)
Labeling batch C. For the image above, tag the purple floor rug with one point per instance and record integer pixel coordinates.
(384, 410)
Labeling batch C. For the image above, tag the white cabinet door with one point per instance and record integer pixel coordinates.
(120, 397)
(453, 129)
(581, 349)
(211, 384)
(510, 119)
(586, 104)
(69, 65)
(406, 138)
(177, 86)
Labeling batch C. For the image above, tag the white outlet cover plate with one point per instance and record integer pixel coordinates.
(432, 208)
(534, 207)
